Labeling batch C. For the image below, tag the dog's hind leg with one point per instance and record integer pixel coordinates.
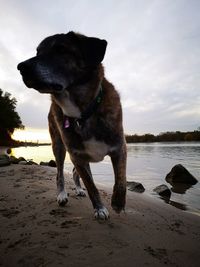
(79, 190)
(100, 212)
(59, 153)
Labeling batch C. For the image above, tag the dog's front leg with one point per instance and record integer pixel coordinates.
(59, 153)
(119, 190)
(100, 212)
(62, 196)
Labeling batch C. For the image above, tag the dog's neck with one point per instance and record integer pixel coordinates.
(85, 114)
(75, 100)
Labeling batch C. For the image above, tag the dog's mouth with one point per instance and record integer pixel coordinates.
(50, 89)
(45, 88)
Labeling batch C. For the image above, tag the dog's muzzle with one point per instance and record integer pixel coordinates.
(36, 76)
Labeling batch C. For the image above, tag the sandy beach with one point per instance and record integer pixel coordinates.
(35, 231)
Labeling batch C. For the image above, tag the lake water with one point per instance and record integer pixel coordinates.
(148, 163)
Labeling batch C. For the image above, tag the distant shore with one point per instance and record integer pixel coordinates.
(35, 231)
(165, 137)
(19, 144)
(177, 136)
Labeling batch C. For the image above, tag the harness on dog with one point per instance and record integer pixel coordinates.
(86, 114)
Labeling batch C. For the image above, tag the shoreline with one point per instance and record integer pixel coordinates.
(35, 231)
(183, 203)
(153, 197)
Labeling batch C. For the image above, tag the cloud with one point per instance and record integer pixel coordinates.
(152, 58)
(34, 110)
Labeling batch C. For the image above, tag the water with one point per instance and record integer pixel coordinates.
(147, 163)
(150, 163)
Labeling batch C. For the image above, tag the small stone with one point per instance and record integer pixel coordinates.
(42, 163)
(14, 160)
(163, 190)
(135, 186)
(21, 159)
(32, 162)
(52, 163)
(4, 160)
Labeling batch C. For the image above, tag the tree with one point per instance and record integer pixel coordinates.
(9, 118)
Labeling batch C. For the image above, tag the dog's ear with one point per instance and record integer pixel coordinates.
(93, 50)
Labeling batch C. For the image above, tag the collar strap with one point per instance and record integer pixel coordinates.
(87, 113)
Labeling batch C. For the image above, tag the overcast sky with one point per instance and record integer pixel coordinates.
(152, 57)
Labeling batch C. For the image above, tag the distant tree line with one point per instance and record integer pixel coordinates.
(164, 137)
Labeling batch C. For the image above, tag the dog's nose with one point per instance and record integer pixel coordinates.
(20, 66)
(27, 66)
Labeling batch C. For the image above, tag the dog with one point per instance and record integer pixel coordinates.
(85, 116)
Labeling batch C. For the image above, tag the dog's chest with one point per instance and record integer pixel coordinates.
(93, 150)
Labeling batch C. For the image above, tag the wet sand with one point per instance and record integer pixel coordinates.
(35, 231)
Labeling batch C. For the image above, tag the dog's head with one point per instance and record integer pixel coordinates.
(61, 61)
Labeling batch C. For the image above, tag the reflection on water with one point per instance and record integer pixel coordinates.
(35, 153)
(180, 188)
(146, 163)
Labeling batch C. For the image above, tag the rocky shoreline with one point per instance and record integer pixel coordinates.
(6, 160)
(179, 178)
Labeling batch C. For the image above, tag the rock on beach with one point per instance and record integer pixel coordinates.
(135, 186)
(163, 191)
(179, 174)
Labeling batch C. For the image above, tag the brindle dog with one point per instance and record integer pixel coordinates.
(85, 116)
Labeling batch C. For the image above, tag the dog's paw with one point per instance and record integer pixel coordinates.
(80, 192)
(101, 213)
(118, 199)
(62, 198)
(117, 208)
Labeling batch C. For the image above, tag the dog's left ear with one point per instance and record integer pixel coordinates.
(93, 50)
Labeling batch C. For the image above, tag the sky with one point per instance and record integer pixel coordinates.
(152, 57)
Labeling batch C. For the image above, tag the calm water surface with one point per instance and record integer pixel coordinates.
(147, 163)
